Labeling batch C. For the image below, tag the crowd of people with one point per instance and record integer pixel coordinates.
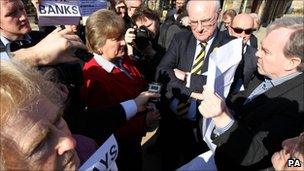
(59, 105)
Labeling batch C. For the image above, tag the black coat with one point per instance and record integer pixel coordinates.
(180, 55)
(261, 125)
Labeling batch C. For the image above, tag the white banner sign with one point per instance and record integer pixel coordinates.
(104, 158)
(58, 12)
(87, 7)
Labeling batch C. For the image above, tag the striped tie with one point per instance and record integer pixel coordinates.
(182, 108)
(199, 60)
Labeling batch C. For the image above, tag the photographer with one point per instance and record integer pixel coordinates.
(142, 41)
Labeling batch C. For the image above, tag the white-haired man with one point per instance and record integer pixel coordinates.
(185, 62)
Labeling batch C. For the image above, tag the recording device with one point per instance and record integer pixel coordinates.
(154, 88)
(153, 102)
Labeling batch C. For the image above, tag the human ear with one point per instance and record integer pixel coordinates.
(293, 63)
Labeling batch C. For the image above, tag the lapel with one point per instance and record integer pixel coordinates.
(191, 48)
(284, 87)
(276, 91)
(219, 40)
(250, 64)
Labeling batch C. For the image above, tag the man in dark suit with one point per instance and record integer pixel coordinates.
(270, 110)
(242, 27)
(184, 64)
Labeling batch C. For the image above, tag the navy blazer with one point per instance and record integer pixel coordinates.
(180, 55)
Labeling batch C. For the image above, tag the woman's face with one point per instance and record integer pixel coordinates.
(113, 48)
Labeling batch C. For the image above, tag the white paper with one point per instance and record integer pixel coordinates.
(54, 12)
(104, 158)
(87, 7)
(203, 162)
(222, 65)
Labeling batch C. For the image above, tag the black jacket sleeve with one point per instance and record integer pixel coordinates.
(98, 123)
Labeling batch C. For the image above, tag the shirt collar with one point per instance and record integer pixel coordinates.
(5, 40)
(209, 42)
(280, 80)
(105, 64)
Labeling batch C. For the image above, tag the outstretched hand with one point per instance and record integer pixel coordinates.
(142, 99)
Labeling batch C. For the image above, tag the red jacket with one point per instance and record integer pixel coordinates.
(106, 89)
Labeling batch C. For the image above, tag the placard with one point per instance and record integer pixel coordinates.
(87, 7)
(104, 158)
(58, 12)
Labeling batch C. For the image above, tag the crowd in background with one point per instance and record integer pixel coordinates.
(81, 83)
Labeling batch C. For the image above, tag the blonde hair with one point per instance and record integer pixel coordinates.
(19, 86)
(102, 25)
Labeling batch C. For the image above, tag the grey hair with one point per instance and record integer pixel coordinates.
(294, 46)
(217, 5)
(293, 23)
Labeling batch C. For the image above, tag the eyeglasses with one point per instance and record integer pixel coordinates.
(203, 23)
(240, 30)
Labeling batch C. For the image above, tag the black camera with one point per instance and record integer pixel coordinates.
(143, 38)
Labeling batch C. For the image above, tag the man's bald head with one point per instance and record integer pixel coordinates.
(242, 27)
(243, 21)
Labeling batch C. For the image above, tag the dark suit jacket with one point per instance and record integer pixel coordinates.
(261, 125)
(180, 55)
(250, 64)
(245, 70)
(253, 41)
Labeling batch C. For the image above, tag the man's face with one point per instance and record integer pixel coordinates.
(271, 59)
(42, 137)
(203, 17)
(242, 28)
(132, 5)
(179, 4)
(13, 19)
(152, 25)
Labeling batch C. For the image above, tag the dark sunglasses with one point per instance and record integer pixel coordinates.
(239, 30)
